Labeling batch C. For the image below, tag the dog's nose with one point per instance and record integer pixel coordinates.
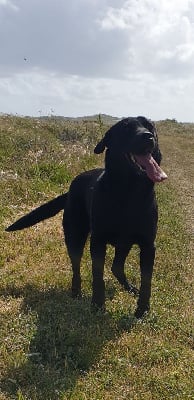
(148, 138)
(148, 135)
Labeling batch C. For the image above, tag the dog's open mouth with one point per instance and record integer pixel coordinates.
(152, 169)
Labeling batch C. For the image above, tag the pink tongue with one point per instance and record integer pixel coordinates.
(154, 172)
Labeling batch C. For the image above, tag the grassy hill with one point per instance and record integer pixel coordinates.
(104, 118)
(53, 347)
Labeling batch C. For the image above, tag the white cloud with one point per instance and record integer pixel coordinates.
(160, 34)
(9, 4)
(121, 57)
(73, 95)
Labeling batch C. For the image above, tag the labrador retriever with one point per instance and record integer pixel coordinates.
(116, 205)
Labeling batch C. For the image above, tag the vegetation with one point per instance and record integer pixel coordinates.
(54, 347)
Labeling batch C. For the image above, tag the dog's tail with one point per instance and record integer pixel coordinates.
(45, 211)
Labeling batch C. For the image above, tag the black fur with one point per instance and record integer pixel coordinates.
(116, 205)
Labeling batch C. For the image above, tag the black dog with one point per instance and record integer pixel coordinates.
(116, 205)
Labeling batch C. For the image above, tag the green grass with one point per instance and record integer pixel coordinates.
(54, 347)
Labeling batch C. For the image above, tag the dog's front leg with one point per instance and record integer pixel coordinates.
(121, 253)
(147, 256)
(98, 253)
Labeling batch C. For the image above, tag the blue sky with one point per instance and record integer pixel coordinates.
(83, 57)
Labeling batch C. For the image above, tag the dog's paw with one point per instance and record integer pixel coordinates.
(141, 312)
(132, 290)
(97, 308)
(76, 294)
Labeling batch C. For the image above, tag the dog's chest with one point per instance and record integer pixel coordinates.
(122, 211)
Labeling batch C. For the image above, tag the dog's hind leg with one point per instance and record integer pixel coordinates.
(121, 253)
(147, 256)
(76, 229)
(75, 242)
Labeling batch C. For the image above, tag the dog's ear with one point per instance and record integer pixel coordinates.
(106, 141)
(147, 123)
(100, 147)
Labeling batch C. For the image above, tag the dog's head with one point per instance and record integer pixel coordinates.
(136, 140)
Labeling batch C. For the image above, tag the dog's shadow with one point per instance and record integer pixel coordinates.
(67, 340)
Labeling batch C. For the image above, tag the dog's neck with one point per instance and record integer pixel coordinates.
(120, 169)
(122, 177)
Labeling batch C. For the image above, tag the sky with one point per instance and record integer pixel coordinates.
(84, 57)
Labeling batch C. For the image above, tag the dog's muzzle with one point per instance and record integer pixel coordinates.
(151, 167)
(143, 143)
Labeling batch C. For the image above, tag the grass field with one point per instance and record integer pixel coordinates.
(53, 347)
